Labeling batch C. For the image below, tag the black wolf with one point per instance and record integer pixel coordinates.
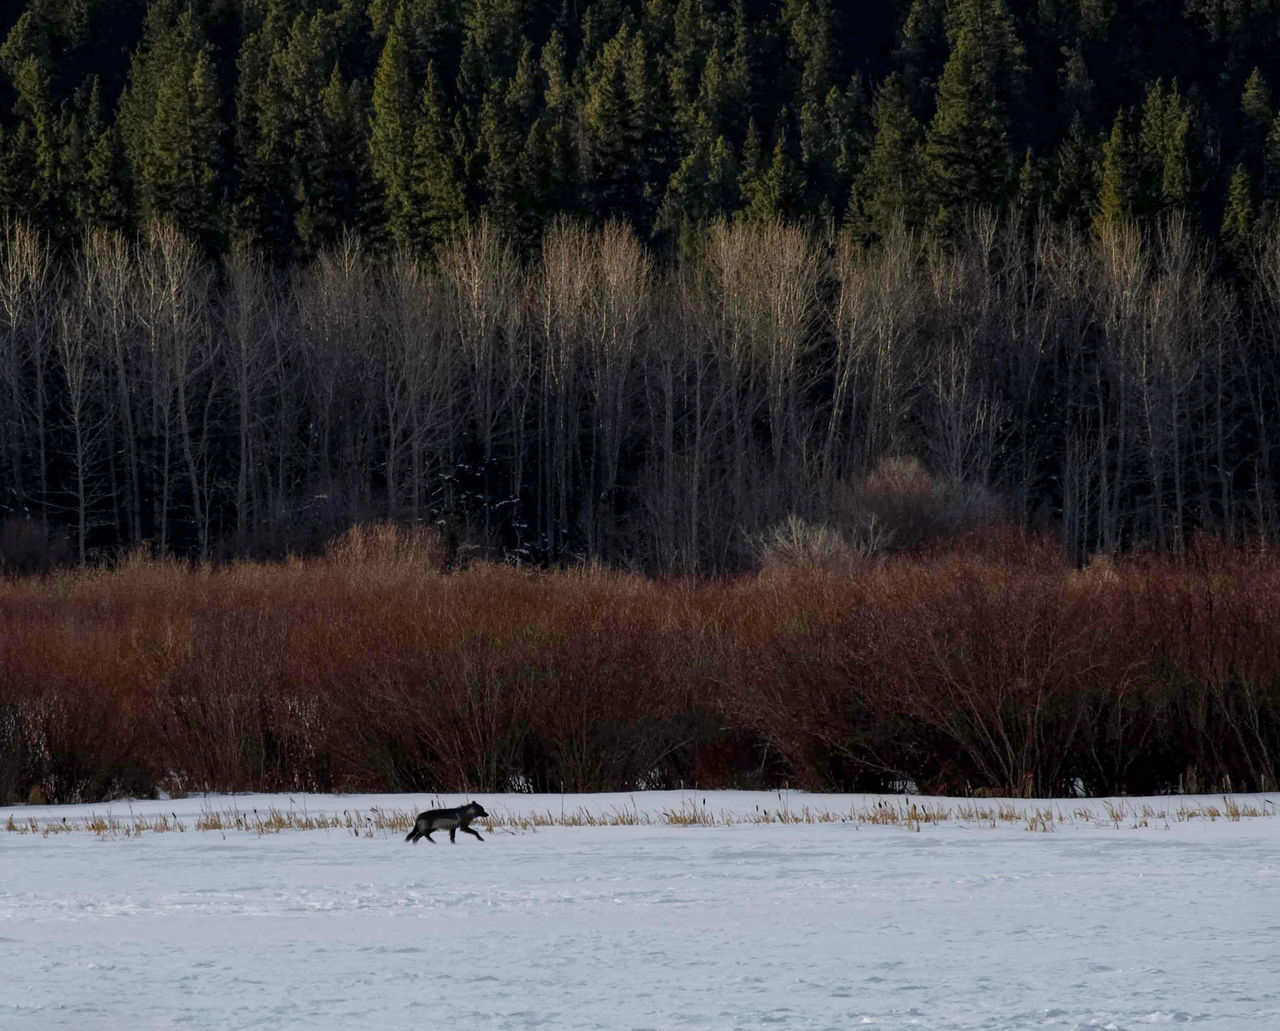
(451, 820)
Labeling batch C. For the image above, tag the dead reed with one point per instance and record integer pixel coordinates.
(898, 812)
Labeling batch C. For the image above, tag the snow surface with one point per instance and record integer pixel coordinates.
(833, 925)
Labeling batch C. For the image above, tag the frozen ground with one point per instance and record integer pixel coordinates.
(834, 925)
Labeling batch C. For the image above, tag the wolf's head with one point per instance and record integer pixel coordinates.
(476, 809)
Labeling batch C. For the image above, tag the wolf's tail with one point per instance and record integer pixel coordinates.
(412, 835)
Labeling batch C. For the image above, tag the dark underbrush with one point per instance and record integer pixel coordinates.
(989, 666)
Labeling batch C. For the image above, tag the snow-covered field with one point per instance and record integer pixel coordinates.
(813, 925)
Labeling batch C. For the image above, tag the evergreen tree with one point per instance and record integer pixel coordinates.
(1077, 86)
(1255, 122)
(333, 191)
(514, 197)
(173, 128)
(612, 108)
(751, 164)
(25, 59)
(832, 146)
(552, 62)
(614, 127)
(967, 158)
(704, 187)
(776, 193)
(1118, 186)
(891, 182)
(1175, 179)
(265, 137)
(19, 168)
(724, 93)
(683, 35)
(730, 106)
(547, 161)
(492, 44)
(995, 44)
(1255, 107)
(497, 164)
(1075, 186)
(922, 51)
(1271, 164)
(170, 125)
(809, 24)
(1238, 219)
(392, 132)
(27, 38)
(439, 201)
(1031, 186)
(1168, 174)
(103, 200)
(850, 113)
(601, 22)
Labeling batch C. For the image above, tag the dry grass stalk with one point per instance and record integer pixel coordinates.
(902, 813)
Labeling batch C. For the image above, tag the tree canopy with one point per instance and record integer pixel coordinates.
(288, 123)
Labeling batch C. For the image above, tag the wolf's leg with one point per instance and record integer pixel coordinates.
(452, 838)
(427, 835)
(474, 832)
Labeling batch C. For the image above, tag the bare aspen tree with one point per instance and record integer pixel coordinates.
(482, 283)
(175, 285)
(1024, 355)
(734, 333)
(682, 494)
(248, 329)
(1079, 481)
(1124, 271)
(715, 448)
(26, 337)
(711, 508)
(657, 413)
(521, 391)
(965, 417)
(561, 295)
(150, 302)
(661, 369)
(789, 278)
(482, 287)
(284, 415)
(79, 352)
(419, 378)
(618, 311)
(1220, 405)
(1052, 392)
(517, 385)
(879, 352)
(108, 268)
(1166, 363)
(1258, 370)
(399, 354)
(851, 325)
(337, 327)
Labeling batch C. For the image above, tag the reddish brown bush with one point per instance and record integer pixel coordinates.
(986, 666)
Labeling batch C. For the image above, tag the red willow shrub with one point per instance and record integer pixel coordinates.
(989, 666)
(1001, 681)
